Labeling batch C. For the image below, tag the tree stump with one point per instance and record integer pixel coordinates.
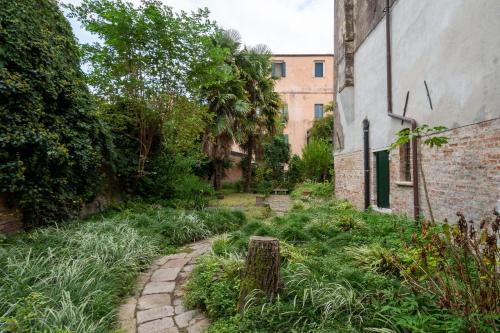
(262, 269)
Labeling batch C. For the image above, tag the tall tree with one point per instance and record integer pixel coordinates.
(142, 65)
(224, 93)
(265, 103)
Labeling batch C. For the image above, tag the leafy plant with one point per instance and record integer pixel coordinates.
(459, 266)
(406, 135)
(317, 160)
(53, 148)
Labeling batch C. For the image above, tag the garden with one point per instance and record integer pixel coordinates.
(141, 125)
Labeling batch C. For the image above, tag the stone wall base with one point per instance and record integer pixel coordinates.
(463, 175)
(10, 219)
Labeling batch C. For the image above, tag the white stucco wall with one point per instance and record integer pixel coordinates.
(452, 44)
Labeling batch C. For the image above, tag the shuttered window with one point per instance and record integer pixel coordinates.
(319, 69)
(318, 111)
(279, 69)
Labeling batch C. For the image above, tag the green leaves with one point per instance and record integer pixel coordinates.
(52, 146)
(432, 139)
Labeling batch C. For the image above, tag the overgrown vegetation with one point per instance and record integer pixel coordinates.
(348, 271)
(53, 147)
(71, 278)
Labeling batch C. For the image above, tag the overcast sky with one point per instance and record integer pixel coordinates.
(286, 26)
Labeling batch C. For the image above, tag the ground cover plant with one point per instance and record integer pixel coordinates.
(71, 278)
(342, 272)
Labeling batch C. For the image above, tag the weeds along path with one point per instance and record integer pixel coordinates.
(158, 305)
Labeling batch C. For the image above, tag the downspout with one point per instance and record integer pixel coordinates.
(366, 150)
(411, 121)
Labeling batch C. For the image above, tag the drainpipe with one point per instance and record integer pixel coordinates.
(411, 121)
(366, 149)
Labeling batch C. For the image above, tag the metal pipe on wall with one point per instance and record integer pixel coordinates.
(411, 121)
(366, 150)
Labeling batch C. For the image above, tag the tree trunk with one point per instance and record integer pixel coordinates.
(248, 171)
(262, 269)
(218, 174)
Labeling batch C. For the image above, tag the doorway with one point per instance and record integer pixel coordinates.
(383, 178)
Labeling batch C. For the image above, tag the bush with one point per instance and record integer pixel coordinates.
(52, 146)
(323, 129)
(316, 190)
(171, 177)
(214, 286)
(317, 160)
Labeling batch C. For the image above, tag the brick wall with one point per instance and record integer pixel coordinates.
(10, 219)
(463, 175)
(349, 179)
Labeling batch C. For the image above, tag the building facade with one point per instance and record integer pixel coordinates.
(404, 63)
(305, 83)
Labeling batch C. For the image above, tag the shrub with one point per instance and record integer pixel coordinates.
(317, 160)
(52, 146)
(323, 129)
(171, 177)
(316, 190)
(295, 171)
(215, 284)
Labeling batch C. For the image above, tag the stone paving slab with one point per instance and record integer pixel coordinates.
(165, 274)
(153, 301)
(158, 305)
(155, 287)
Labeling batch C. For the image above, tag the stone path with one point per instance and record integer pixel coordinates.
(158, 306)
(279, 203)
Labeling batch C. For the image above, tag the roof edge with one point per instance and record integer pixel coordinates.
(304, 55)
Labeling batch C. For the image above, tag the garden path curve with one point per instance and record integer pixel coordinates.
(158, 306)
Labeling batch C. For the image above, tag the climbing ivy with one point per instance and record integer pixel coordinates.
(51, 143)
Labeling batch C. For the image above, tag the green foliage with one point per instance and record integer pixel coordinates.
(52, 146)
(143, 77)
(340, 273)
(295, 168)
(317, 160)
(215, 284)
(276, 155)
(170, 177)
(261, 120)
(71, 278)
(314, 190)
(407, 135)
(221, 87)
(322, 129)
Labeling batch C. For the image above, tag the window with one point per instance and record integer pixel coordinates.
(285, 136)
(318, 111)
(319, 67)
(405, 162)
(284, 113)
(279, 69)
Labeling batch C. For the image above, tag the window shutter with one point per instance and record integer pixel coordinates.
(283, 69)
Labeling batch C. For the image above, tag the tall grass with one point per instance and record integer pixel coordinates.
(71, 278)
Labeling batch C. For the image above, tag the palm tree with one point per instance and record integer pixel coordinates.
(264, 102)
(226, 100)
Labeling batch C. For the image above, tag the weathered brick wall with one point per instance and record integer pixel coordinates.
(349, 179)
(401, 192)
(10, 219)
(463, 175)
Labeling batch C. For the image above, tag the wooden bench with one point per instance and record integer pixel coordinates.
(280, 191)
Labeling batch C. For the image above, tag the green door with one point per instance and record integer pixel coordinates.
(382, 160)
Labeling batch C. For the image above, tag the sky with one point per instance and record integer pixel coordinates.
(286, 26)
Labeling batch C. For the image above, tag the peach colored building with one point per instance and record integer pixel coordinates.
(306, 85)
